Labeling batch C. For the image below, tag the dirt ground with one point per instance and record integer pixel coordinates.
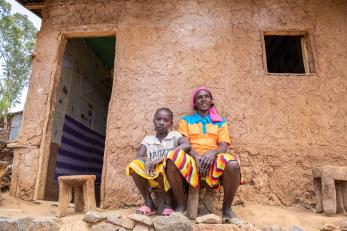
(260, 215)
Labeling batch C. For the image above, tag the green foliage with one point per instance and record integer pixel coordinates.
(17, 40)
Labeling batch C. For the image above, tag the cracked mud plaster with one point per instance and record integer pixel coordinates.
(282, 126)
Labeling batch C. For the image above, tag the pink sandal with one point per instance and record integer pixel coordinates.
(145, 210)
(167, 212)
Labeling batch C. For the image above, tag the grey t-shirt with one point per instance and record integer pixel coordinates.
(155, 149)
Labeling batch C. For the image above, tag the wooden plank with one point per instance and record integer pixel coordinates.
(193, 202)
(304, 52)
(287, 32)
(35, 6)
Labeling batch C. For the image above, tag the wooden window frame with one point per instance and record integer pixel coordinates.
(308, 54)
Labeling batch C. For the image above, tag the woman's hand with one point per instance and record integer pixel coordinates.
(206, 162)
(197, 157)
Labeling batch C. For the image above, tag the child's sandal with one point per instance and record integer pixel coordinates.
(167, 212)
(145, 210)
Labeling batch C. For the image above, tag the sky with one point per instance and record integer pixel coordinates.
(16, 7)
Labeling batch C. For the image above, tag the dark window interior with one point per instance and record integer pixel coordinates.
(284, 54)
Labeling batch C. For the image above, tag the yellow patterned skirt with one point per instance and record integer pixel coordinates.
(187, 166)
(138, 166)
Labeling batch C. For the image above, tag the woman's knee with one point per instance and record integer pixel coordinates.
(233, 167)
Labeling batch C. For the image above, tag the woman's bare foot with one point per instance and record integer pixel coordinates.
(228, 213)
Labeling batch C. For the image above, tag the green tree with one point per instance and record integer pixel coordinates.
(17, 40)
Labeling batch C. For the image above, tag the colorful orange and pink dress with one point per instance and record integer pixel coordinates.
(204, 135)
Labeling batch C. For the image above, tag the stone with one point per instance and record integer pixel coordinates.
(343, 225)
(234, 221)
(105, 227)
(116, 219)
(94, 217)
(24, 223)
(209, 219)
(274, 228)
(7, 223)
(224, 227)
(248, 227)
(43, 224)
(329, 227)
(140, 227)
(295, 228)
(122, 229)
(174, 222)
(141, 218)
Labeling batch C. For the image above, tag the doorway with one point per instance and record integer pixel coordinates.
(80, 116)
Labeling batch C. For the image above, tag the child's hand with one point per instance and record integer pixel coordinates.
(149, 167)
(157, 162)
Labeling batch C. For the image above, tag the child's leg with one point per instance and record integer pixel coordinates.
(167, 195)
(176, 180)
(142, 184)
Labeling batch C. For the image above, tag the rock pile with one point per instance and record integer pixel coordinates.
(175, 222)
(341, 226)
(28, 223)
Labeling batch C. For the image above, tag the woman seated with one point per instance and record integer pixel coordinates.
(207, 159)
(147, 169)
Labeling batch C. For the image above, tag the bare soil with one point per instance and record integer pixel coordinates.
(261, 216)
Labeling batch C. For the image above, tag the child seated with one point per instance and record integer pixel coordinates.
(148, 168)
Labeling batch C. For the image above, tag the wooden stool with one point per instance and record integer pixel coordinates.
(194, 196)
(330, 185)
(84, 195)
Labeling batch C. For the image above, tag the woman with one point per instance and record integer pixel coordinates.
(207, 160)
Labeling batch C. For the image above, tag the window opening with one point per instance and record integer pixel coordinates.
(288, 54)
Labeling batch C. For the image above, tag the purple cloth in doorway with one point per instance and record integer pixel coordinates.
(81, 151)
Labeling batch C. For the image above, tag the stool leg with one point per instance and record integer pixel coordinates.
(64, 191)
(193, 202)
(318, 191)
(328, 195)
(78, 199)
(89, 195)
(208, 199)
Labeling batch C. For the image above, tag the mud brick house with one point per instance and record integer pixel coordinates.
(101, 68)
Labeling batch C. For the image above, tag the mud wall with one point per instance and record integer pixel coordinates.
(282, 125)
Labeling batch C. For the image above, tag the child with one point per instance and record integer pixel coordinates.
(148, 170)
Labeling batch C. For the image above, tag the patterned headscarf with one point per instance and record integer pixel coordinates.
(213, 113)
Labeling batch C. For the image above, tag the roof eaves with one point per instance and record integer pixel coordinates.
(34, 6)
